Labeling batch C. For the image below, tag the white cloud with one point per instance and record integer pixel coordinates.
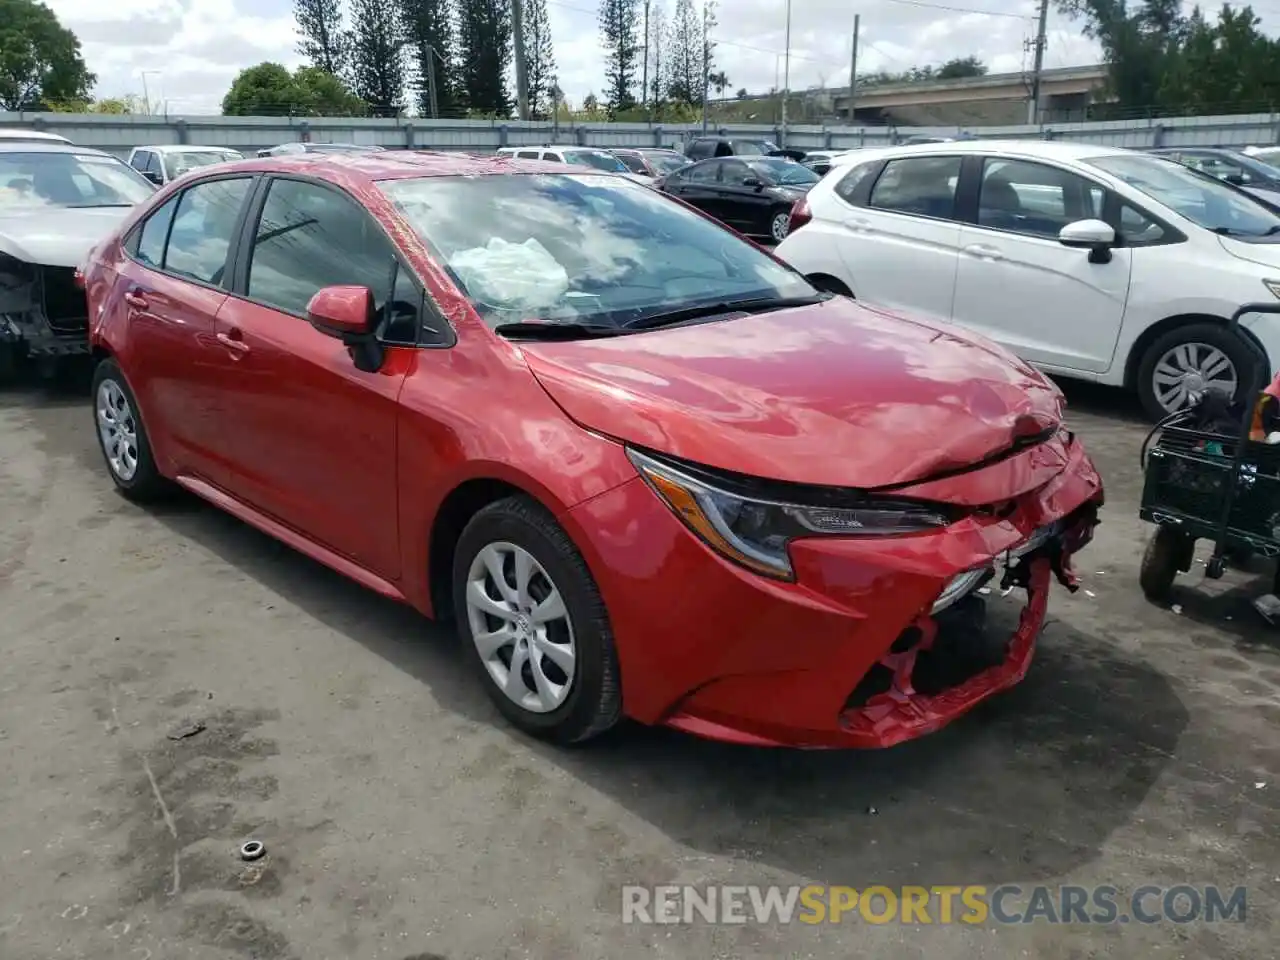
(192, 49)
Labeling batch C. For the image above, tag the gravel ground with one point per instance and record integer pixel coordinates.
(402, 819)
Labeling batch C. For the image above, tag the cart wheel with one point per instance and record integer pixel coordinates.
(1163, 558)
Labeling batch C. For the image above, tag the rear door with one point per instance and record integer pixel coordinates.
(699, 186)
(1017, 285)
(902, 245)
(171, 286)
(313, 438)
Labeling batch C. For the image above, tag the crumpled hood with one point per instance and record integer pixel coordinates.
(836, 394)
(57, 236)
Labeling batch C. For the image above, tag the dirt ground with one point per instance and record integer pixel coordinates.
(402, 819)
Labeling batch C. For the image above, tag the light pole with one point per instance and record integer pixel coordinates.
(146, 94)
(786, 77)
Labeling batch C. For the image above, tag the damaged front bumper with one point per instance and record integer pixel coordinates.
(43, 312)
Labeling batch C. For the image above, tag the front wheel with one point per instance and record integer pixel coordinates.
(534, 624)
(780, 225)
(1188, 360)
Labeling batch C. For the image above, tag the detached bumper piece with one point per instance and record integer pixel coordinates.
(942, 666)
(52, 318)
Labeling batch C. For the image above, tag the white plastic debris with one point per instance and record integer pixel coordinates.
(984, 590)
(1259, 785)
(1177, 608)
(1090, 593)
(514, 275)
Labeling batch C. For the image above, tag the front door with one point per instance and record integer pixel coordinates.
(313, 437)
(1019, 286)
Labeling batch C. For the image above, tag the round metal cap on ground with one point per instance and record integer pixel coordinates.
(252, 850)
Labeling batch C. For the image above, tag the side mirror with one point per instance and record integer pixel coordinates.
(752, 182)
(346, 313)
(155, 176)
(1236, 179)
(1093, 235)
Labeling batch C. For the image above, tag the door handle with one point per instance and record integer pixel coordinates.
(233, 342)
(984, 251)
(135, 300)
(857, 223)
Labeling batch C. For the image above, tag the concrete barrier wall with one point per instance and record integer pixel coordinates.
(119, 133)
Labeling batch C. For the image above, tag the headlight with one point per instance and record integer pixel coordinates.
(1273, 286)
(755, 532)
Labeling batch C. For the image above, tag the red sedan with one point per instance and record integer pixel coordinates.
(647, 468)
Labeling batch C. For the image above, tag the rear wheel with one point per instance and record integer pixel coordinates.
(1168, 552)
(1188, 360)
(780, 225)
(122, 436)
(534, 624)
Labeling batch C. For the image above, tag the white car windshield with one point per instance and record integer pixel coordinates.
(582, 248)
(39, 179)
(1203, 200)
(177, 163)
(597, 159)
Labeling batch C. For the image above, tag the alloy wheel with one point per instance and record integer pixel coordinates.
(521, 627)
(1187, 370)
(118, 430)
(780, 226)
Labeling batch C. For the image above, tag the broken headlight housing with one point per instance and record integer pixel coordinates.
(754, 530)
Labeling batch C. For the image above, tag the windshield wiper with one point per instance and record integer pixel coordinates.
(1233, 232)
(95, 206)
(699, 311)
(535, 330)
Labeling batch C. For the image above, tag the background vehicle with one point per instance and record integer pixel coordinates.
(1268, 154)
(562, 373)
(285, 149)
(819, 161)
(56, 201)
(160, 164)
(1251, 173)
(1089, 261)
(15, 134)
(754, 195)
(651, 162)
(590, 157)
(702, 148)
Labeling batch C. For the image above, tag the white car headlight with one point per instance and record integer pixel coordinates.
(1273, 286)
(755, 532)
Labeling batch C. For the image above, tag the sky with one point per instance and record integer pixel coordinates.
(186, 52)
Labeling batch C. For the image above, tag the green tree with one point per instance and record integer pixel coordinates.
(484, 51)
(620, 37)
(377, 54)
(269, 90)
(322, 38)
(430, 29)
(40, 61)
(684, 55)
(540, 58)
(961, 67)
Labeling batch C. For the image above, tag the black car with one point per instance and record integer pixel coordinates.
(1236, 168)
(702, 148)
(754, 195)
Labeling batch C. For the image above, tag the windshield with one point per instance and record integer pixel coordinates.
(582, 248)
(753, 148)
(176, 164)
(35, 179)
(1204, 201)
(667, 162)
(784, 172)
(595, 158)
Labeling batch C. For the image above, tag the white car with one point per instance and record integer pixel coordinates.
(161, 164)
(591, 157)
(19, 135)
(1091, 262)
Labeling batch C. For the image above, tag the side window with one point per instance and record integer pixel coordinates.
(202, 226)
(924, 186)
(310, 237)
(699, 149)
(1031, 198)
(154, 233)
(703, 173)
(139, 159)
(1135, 229)
(527, 155)
(153, 162)
(632, 162)
(552, 155)
(847, 189)
(733, 172)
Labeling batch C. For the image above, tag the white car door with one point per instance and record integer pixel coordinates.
(1017, 285)
(900, 248)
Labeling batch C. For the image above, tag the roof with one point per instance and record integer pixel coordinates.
(397, 165)
(50, 146)
(1046, 149)
(16, 133)
(184, 148)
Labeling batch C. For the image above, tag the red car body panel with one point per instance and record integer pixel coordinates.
(274, 423)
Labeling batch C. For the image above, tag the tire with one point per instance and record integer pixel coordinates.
(780, 225)
(1168, 552)
(143, 483)
(828, 284)
(590, 690)
(1195, 341)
